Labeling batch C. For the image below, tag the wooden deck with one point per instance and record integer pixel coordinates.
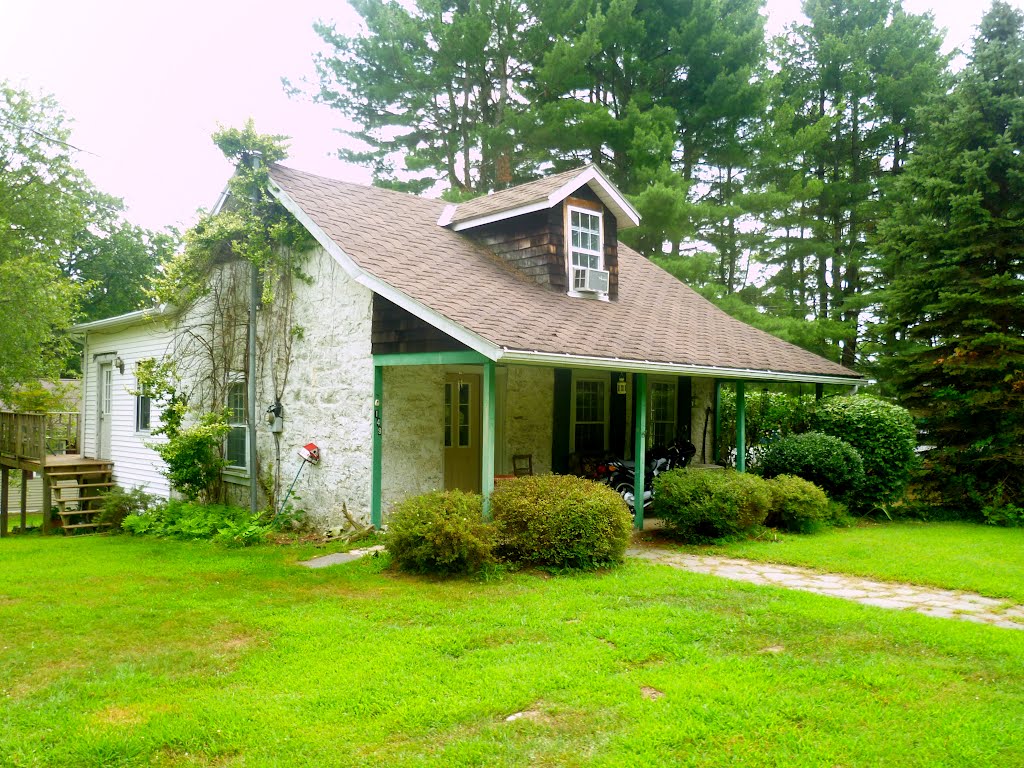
(39, 443)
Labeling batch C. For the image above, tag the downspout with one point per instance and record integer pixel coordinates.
(254, 297)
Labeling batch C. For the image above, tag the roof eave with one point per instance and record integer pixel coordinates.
(524, 357)
(626, 216)
(118, 321)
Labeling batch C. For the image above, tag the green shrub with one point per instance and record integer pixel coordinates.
(440, 532)
(883, 434)
(192, 456)
(797, 505)
(561, 521)
(117, 504)
(186, 520)
(704, 505)
(828, 462)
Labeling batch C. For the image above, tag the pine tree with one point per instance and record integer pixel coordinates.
(955, 243)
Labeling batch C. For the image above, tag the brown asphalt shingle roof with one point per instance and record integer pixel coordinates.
(395, 237)
(514, 197)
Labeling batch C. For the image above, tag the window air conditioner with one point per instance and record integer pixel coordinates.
(590, 280)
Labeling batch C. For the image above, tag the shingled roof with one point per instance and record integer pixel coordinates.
(539, 194)
(656, 323)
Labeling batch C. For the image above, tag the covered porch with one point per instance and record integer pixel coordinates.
(458, 417)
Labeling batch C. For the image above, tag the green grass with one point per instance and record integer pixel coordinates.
(967, 556)
(117, 651)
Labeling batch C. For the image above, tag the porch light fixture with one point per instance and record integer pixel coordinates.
(119, 364)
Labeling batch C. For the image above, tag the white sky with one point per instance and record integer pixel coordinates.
(148, 82)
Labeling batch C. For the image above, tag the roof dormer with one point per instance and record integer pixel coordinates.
(561, 231)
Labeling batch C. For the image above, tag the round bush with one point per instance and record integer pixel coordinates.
(702, 505)
(830, 463)
(440, 532)
(560, 520)
(797, 505)
(883, 434)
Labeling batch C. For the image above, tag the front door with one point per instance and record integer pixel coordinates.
(462, 432)
(105, 383)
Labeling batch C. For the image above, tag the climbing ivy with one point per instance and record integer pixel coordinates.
(251, 225)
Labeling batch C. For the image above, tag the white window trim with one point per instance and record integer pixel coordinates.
(236, 469)
(569, 209)
(140, 430)
(589, 376)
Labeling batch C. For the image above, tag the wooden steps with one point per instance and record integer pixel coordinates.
(76, 491)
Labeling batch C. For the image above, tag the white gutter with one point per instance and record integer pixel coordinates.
(378, 286)
(646, 366)
(129, 318)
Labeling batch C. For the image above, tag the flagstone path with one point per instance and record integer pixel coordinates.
(943, 603)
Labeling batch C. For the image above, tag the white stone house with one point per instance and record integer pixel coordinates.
(439, 341)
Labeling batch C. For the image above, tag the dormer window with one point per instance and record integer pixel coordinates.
(586, 251)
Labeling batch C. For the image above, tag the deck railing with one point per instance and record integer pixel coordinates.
(33, 436)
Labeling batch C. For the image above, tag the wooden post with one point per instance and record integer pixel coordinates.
(5, 486)
(378, 441)
(46, 498)
(717, 431)
(487, 437)
(640, 450)
(25, 475)
(741, 427)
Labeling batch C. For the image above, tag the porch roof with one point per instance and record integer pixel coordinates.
(391, 242)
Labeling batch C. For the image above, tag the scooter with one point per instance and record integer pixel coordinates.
(621, 475)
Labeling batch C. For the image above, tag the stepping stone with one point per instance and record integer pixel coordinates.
(340, 557)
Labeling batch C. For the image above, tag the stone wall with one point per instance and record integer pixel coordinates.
(529, 405)
(703, 394)
(328, 396)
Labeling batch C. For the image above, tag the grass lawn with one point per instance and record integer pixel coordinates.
(117, 651)
(977, 558)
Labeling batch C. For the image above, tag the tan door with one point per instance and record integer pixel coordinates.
(462, 432)
(105, 386)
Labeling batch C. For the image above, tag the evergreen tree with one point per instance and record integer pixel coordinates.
(955, 244)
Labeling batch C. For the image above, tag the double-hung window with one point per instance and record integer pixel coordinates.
(663, 398)
(585, 246)
(143, 406)
(236, 450)
(590, 415)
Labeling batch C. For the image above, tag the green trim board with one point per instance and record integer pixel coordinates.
(460, 357)
(639, 449)
(377, 459)
(487, 434)
(741, 427)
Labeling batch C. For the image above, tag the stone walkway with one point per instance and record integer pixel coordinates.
(930, 601)
(339, 557)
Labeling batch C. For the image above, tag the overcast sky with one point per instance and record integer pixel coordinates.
(148, 82)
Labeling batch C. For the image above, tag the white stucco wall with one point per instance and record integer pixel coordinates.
(529, 415)
(413, 432)
(703, 393)
(134, 463)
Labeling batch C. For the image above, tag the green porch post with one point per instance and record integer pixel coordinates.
(819, 391)
(640, 450)
(487, 437)
(715, 453)
(741, 427)
(378, 434)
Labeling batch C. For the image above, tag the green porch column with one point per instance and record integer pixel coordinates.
(378, 435)
(741, 427)
(639, 449)
(487, 437)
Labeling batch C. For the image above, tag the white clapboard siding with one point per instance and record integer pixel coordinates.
(34, 502)
(135, 464)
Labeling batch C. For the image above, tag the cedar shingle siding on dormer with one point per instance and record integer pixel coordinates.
(534, 244)
(395, 331)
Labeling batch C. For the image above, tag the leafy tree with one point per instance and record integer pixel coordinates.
(842, 120)
(955, 243)
(432, 89)
(41, 210)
